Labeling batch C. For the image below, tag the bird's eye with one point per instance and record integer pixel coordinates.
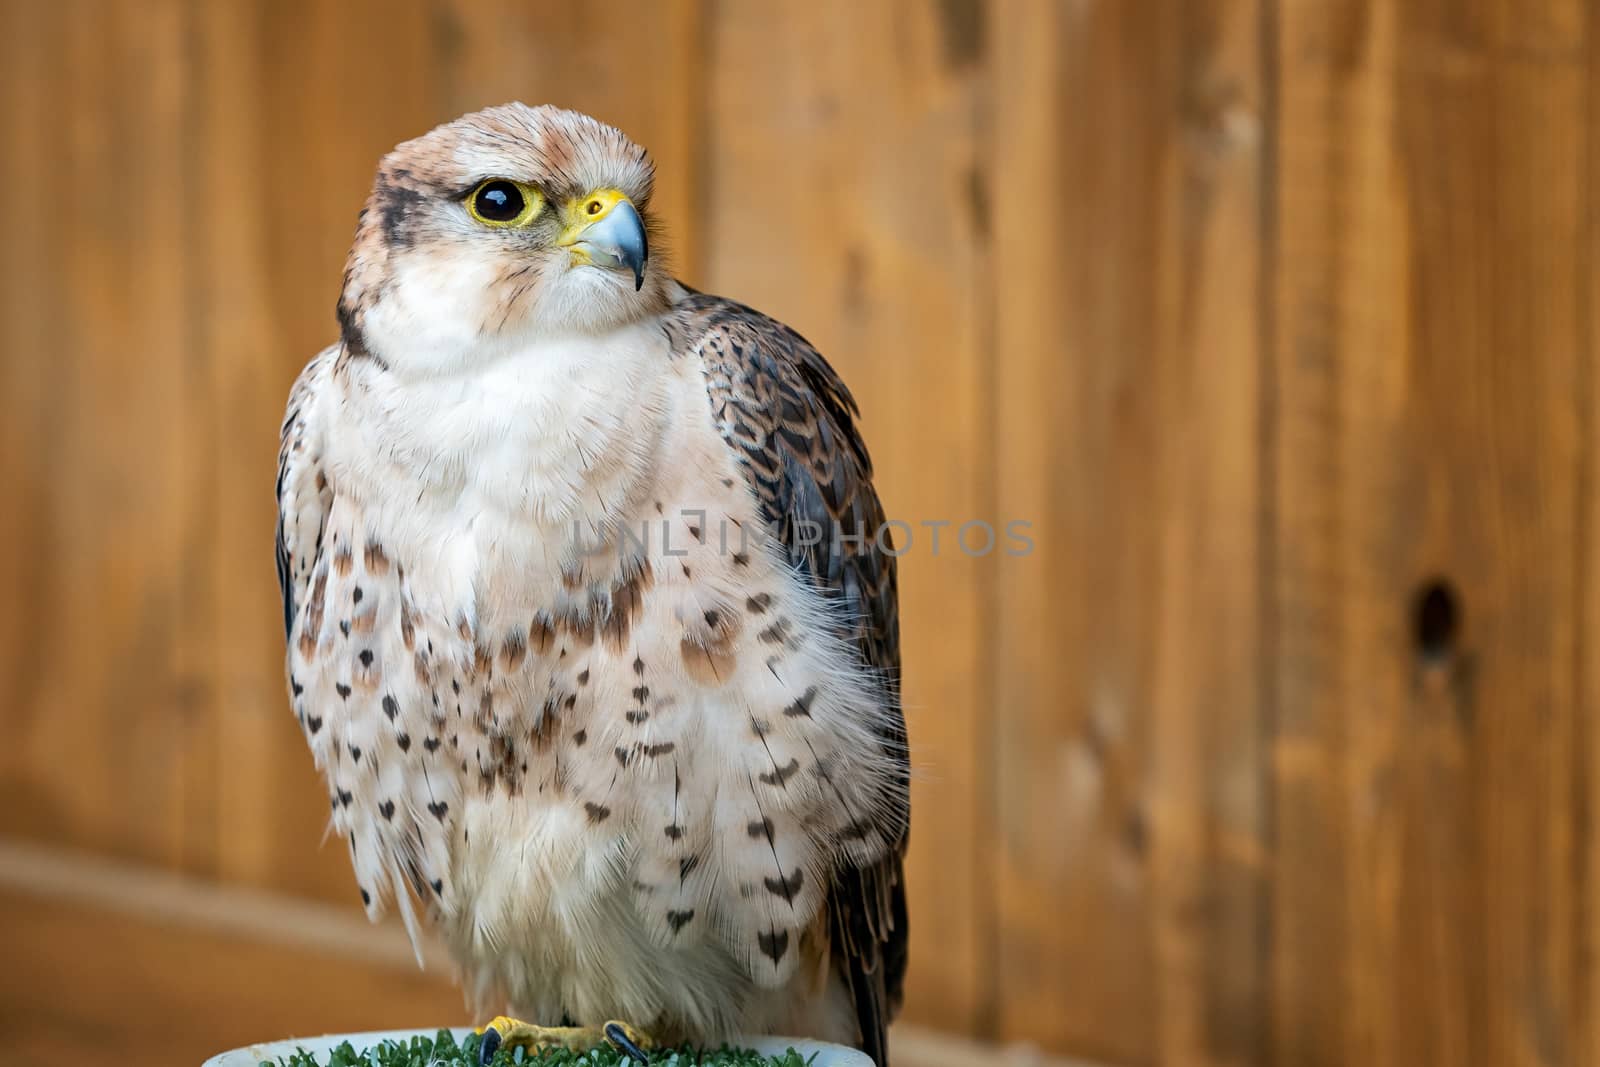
(500, 202)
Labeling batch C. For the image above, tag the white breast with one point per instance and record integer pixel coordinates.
(644, 760)
(489, 474)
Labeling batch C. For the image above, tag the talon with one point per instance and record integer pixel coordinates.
(489, 1045)
(504, 1032)
(626, 1039)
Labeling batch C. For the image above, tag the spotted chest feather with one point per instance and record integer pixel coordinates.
(624, 723)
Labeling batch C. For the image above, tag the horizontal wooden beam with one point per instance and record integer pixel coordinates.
(165, 898)
(162, 969)
(153, 969)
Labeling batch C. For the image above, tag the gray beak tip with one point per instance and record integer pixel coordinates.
(624, 238)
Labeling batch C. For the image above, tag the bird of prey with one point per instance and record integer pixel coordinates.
(591, 615)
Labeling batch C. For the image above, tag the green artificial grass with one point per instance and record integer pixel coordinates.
(442, 1050)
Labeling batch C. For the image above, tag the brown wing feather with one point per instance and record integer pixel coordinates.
(791, 421)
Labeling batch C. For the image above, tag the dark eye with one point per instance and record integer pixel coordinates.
(502, 202)
(498, 201)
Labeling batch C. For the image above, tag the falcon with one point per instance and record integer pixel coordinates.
(591, 612)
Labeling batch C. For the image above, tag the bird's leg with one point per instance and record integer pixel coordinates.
(514, 1032)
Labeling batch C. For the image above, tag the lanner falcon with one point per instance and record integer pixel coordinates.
(591, 611)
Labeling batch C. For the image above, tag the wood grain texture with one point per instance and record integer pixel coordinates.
(1267, 317)
(1431, 337)
(1585, 1038)
(1586, 1035)
(149, 984)
(96, 298)
(1129, 723)
(843, 197)
(167, 969)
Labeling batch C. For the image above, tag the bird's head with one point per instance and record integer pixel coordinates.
(504, 225)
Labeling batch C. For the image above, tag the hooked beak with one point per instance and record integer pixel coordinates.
(604, 230)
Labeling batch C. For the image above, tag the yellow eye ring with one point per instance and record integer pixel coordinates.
(503, 204)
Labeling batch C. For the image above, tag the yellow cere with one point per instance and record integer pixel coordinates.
(584, 211)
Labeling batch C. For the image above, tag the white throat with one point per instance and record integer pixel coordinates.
(550, 433)
(453, 309)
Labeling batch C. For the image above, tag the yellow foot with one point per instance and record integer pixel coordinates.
(512, 1033)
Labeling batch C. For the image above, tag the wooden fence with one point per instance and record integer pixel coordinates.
(1275, 319)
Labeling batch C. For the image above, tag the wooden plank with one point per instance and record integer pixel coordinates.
(220, 966)
(1313, 583)
(168, 971)
(236, 364)
(31, 370)
(1536, 885)
(843, 195)
(1127, 165)
(1543, 29)
(1207, 790)
(108, 746)
(1586, 1038)
(1427, 881)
